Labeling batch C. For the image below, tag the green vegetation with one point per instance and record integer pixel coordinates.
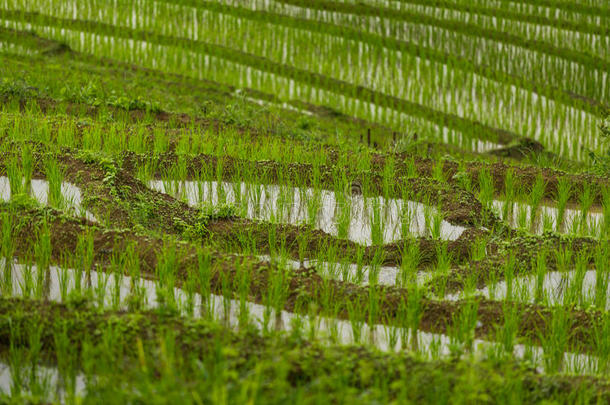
(602, 161)
(294, 201)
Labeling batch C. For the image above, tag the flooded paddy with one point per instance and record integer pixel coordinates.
(372, 220)
(70, 195)
(111, 290)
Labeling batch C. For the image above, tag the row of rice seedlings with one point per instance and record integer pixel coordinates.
(527, 210)
(70, 384)
(111, 291)
(250, 198)
(535, 10)
(391, 214)
(117, 17)
(363, 61)
(578, 37)
(399, 68)
(15, 48)
(579, 12)
(146, 19)
(31, 125)
(528, 126)
(119, 286)
(333, 264)
(112, 344)
(53, 191)
(519, 215)
(364, 219)
(144, 137)
(30, 128)
(555, 342)
(224, 71)
(571, 283)
(465, 40)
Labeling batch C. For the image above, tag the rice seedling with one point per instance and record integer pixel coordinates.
(485, 187)
(555, 342)
(601, 277)
(55, 177)
(586, 200)
(15, 177)
(535, 198)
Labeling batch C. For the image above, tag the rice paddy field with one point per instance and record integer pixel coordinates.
(303, 202)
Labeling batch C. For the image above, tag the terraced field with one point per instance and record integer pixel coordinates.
(289, 201)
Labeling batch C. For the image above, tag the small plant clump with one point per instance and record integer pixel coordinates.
(198, 230)
(602, 161)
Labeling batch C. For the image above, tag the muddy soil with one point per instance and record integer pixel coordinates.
(304, 286)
